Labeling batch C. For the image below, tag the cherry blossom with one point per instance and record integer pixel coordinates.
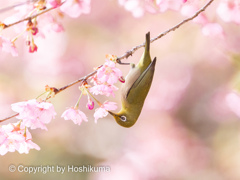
(102, 111)
(34, 114)
(122, 79)
(75, 115)
(75, 8)
(90, 104)
(34, 30)
(54, 3)
(109, 73)
(106, 76)
(103, 89)
(15, 137)
(33, 48)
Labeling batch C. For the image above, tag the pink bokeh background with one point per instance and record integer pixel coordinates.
(189, 126)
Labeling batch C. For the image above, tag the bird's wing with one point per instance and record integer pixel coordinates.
(132, 76)
(141, 85)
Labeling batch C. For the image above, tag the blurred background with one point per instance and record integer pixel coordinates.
(189, 126)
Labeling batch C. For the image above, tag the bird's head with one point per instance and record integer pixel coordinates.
(123, 119)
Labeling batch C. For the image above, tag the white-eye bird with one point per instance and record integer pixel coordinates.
(136, 87)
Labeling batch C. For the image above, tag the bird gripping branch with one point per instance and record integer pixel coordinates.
(136, 87)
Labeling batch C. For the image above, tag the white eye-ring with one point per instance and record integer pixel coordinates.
(123, 118)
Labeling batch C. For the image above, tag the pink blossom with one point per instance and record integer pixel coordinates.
(34, 30)
(229, 11)
(103, 89)
(102, 111)
(33, 48)
(34, 114)
(94, 80)
(75, 8)
(75, 115)
(122, 79)
(108, 73)
(12, 138)
(90, 104)
(8, 46)
(54, 3)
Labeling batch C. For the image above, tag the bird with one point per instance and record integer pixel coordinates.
(136, 87)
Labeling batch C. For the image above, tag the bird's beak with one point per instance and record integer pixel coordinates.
(113, 114)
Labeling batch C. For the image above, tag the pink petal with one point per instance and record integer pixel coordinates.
(34, 114)
(75, 115)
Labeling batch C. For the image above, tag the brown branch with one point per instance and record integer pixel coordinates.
(30, 17)
(27, 18)
(130, 52)
(126, 55)
(85, 78)
(9, 117)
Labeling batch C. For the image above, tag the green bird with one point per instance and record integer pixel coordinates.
(135, 89)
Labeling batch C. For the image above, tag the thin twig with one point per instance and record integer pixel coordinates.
(126, 55)
(28, 18)
(9, 117)
(77, 81)
(85, 78)
(130, 52)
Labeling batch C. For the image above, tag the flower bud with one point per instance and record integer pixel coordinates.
(28, 43)
(90, 104)
(34, 30)
(32, 48)
(121, 79)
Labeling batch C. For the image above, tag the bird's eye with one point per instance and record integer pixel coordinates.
(123, 118)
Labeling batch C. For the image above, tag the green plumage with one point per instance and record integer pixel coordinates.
(135, 88)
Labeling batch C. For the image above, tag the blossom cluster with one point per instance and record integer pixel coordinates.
(16, 137)
(33, 114)
(227, 10)
(40, 25)
(103, 84)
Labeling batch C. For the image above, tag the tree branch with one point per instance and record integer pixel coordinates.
(9, 117)
(130, 53)
(77, 81)
(85, 78)
(28, 18)
(126, 55)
